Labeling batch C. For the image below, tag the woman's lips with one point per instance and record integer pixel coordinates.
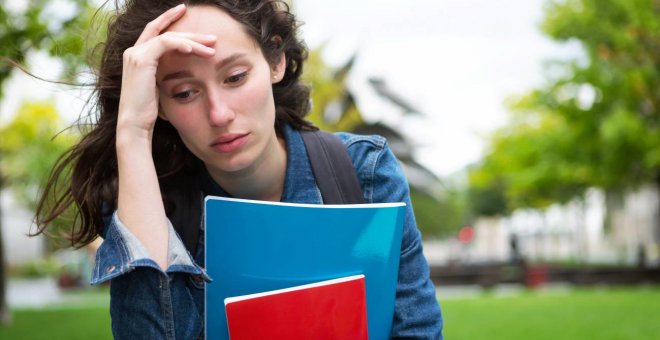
(229, 142)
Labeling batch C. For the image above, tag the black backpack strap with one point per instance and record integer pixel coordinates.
(332, 168)
(184, 209)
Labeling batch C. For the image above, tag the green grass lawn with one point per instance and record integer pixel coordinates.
(593, 313)
(59, 323)
(81, 315)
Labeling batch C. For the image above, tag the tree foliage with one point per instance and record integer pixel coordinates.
(595, 121)
(30, 145)
(40, 28)
(333, 107)
(22, 161)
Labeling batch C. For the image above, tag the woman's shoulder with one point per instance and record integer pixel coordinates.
(375, 165)
(369, 153)
(366, 142)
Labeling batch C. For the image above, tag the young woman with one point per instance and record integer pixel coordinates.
(195, 99)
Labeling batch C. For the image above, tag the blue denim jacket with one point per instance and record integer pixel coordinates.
(148, 303)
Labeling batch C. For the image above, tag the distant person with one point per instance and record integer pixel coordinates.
(514, 249)
(641, 256)
(205, 99)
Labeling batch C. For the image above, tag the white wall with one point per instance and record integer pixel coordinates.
(574, 231)
(16, 223)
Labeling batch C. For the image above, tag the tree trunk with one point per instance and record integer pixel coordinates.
(657, 217)
(5, 315)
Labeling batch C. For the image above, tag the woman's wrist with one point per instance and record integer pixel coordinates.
(128, 136)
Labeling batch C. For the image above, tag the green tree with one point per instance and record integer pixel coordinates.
(30, 145)
(32, 30)
(333, 106)
(530, 164)
(619, 127)
(65, 38)
(595, 121)
(28, 150)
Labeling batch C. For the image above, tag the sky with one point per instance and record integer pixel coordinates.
(455, 60)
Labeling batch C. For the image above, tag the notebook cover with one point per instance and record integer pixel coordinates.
(333, 309)
(256, 246)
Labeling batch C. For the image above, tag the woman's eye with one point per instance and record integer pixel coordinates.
(236, 79)
(183, 94)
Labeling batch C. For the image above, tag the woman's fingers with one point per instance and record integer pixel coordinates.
(207, 39)
(182, 45)
(158, 25)
(197, 44)
(149, 52)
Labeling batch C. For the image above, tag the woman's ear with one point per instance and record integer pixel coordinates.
(278, 69)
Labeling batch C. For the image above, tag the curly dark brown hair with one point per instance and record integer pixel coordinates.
(86, 176)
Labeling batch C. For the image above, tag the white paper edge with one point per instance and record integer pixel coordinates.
(307, 205)
(291, 289)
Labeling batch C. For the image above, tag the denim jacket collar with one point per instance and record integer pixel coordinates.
(299, 182)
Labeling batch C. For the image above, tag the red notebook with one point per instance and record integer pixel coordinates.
(333, 309)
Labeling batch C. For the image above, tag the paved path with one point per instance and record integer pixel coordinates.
(34, 293)
(44, 293)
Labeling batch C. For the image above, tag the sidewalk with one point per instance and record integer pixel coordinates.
(44, 292)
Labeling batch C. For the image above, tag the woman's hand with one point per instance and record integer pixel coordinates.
(139, 204)
(138, 104)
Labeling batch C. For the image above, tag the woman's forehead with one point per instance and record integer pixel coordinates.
(208, 19)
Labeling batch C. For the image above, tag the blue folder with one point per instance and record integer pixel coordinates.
(256, 246)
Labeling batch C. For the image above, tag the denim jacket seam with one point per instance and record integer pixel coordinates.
(411, 246)
(97, 268)
(377, 141)
(378, 144)
(379, 155)
(114, 238)
(166, 305)
(125, 256)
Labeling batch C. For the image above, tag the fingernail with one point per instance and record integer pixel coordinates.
(211, 36)
(179, 7)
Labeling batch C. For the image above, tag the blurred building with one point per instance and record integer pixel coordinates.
(582, 232)
(16, 223)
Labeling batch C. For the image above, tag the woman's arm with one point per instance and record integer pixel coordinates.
(140, 206)
(416, 312)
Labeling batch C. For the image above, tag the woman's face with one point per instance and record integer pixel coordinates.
(222, 106)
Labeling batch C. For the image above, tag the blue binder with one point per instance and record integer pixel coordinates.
(256, 246)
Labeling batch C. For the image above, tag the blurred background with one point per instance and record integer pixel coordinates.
(528, 130)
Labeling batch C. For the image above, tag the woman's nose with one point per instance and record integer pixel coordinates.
(219, 111)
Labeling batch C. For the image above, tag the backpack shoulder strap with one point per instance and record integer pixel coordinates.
(332, 168)
(184, 209)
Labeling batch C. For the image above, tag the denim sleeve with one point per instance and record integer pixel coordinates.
(417, 311)
(145, 301)
(121, 252)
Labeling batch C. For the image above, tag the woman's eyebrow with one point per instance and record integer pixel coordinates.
(232, 58)
(187, 74)
(177, 75)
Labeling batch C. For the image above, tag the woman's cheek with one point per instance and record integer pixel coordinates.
(183, 117)
(258, 95)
